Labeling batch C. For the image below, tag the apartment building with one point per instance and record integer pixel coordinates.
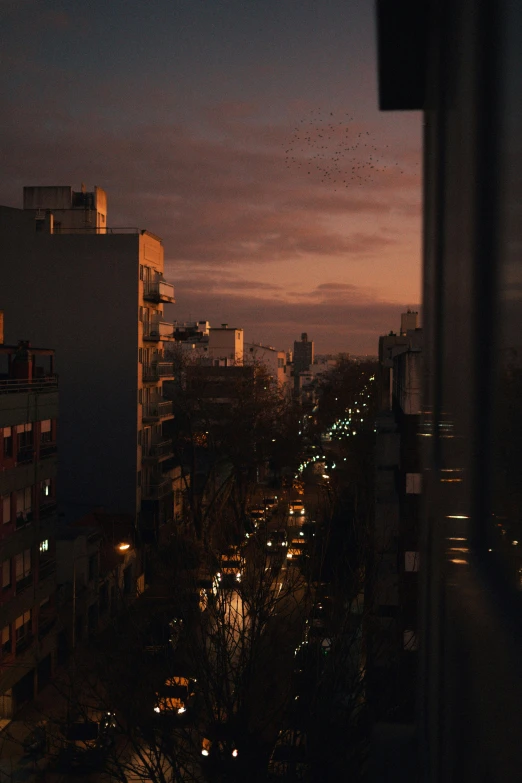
(96, 293)
(271, 359)
(28, 521)
(394, 567)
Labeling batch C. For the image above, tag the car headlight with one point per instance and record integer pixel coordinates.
(234, 752)
(218, 575)
(302, 511)
(181, 710)
(157, 709)
(269, 543)
(238, 577)
(301, 533)
(291, 511)
(289, 554)
(204, 752)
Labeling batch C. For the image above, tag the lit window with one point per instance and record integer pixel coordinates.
(411, 561)
(44, 545)
(413, 483)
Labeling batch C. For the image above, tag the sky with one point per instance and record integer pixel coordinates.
(245, 133)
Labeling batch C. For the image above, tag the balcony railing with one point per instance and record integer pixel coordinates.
(157, 489)
(45, 569)
(45, 625)
(25, 454)
(157, 451)
(23, 519)
(155, 411)
(48, 383)
(24, 643)
(158, 330)
(48, 450)
(24, 583)
(157, 371)
(48, 509)
(158, 291)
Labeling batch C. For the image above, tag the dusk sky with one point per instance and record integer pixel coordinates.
(245, 133)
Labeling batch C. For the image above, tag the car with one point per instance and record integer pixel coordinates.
(175, 697)
(162, 637)
(277, 539)
(288, 760)
(83, 741)
(270, 502)
(219, 747)
(257, 515)
(230, 569)
(297, 549)
(296, 508)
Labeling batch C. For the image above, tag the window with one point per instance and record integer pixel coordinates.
(45, 431)
(141, 313)
(139, 478)
(6, 509)
(413, 483)
(44, 545)
(23, 565)
(6, 639)
(140, 355)
(141, 271)
(23, 625)
(410, 640)
(25, 435)
(140, 395)
(45, 489)
(8, 442)
(411, 561)
(6, 574)
(24, 503)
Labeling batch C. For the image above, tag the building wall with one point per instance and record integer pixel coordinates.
(226, 344)
(79, 294)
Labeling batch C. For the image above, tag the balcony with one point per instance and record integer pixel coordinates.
(45, 625)
(48, 383)
(24, 643)
(25, 454)
(153, 373)
(46, 568)
(156, 330)
(24, 583)
(157, 452)
(48, 450)
(158, 291)
(157, 411)
(47, 509)
(157, 488)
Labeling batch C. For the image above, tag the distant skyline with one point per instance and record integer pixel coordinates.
(186, 112)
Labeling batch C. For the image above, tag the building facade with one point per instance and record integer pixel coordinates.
(96, 293)
(28, 524)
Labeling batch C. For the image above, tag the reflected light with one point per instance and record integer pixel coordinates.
(457, 516)
(459, 561)
(123, 547)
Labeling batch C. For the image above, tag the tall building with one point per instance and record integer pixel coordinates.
(96, 293)
(303, 354)
(28, 467)
(392, 643)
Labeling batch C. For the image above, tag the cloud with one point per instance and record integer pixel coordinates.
(216, 198)
(352, 322)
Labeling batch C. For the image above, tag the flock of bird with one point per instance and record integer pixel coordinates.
(322, 145)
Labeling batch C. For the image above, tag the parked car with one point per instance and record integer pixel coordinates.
(83, 741)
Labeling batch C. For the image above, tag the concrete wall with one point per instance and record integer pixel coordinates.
(79, 295)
